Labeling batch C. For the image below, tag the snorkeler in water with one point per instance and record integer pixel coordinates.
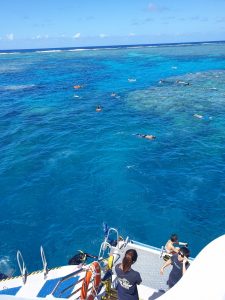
(146, 136)
(98, 108)
(182, 82)
(198, 116)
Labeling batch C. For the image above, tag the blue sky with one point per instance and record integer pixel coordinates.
(68, 23)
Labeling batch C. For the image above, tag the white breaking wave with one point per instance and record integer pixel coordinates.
(16, 87)
(5, 266)
(9, 53)
(48, 51)
(77, 50)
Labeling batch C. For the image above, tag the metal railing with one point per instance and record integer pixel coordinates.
(44, 262)
(22, 266)
(67, 277)
(107, 243)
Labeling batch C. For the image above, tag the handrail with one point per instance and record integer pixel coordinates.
(116, 231)
(71, 285)
(107, 244)
(103, 247)
(162, 251)
(74, 292)
(44, 262)
(66, 278)
(126, 242)
(23, 268)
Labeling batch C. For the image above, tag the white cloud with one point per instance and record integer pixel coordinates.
(77, 35)
(103, 35)
(131, 34)
(10, 36)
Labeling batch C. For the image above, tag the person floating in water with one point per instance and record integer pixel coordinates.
(98, 108)
(146, 136)
(163, 81)
(182, 82)
(166, 82)
(198, 116)
(77, 87)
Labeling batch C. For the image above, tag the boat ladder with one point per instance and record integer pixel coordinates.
(22, 266)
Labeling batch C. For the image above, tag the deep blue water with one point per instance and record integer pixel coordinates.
(65, 169)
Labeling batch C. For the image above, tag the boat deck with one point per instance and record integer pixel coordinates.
(37, 286)
(148, 265)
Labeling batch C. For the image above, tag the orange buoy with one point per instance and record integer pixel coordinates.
(94, 271)
(77, 86)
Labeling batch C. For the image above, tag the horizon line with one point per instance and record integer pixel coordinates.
(111, 46)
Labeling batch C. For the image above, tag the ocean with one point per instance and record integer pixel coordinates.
(65, 168)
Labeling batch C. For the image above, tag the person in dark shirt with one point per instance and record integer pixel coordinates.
(127, 277)
(80, 258)
(179, 262)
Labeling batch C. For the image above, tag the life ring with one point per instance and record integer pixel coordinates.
(93, 271)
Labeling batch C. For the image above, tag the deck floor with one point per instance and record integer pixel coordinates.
(148, 265)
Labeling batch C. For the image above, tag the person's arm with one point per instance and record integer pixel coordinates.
(175, 249)
(139, 280)
(183, 244)
(167, 263)
(184, 267)
(90, 255)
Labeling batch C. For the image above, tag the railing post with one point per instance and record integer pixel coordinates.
(44, 262)
(22, 266)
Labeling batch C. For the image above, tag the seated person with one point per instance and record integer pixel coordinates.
(172, 244)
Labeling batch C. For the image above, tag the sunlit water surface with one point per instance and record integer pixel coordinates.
(65, 169)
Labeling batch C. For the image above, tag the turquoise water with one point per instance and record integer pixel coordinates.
(65, 169)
